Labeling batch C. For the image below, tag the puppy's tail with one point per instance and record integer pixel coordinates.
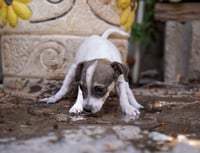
(108, 32)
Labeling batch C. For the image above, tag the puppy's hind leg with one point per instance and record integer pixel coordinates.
(65, 87)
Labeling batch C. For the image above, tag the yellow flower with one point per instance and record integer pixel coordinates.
(1, 2)
(128, 10)
(11, 10)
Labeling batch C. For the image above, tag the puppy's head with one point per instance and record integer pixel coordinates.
(96, 79)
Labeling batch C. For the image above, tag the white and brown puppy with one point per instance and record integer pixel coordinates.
(99, 69)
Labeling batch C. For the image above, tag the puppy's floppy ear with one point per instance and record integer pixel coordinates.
(119, 69)
(79, 71)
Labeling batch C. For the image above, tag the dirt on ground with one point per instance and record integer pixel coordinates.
(171, 110)
(167, 110)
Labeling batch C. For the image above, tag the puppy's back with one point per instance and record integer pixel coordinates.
(97, 47)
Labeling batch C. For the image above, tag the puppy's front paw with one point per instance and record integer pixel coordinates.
(50, 100)
(76, 109)
(130, 110)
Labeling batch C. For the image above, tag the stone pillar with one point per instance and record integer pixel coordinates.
(38, 53)
(1, 72)
(182, 51)
(194, 62)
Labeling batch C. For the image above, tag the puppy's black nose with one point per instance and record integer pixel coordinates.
(88, 108)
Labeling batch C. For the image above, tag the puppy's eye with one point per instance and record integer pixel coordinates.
(100, 90)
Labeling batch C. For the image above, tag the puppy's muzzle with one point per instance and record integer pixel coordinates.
(88, 108)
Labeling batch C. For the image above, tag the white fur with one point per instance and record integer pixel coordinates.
(97, 47)
(89, 76)
(128, 103)
(107, 33)
(78, 106)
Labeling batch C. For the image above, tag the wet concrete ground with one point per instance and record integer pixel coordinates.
(169, 122)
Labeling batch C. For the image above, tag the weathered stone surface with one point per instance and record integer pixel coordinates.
(86, 139)
(42, 56)
(99, 139)
(38, 56)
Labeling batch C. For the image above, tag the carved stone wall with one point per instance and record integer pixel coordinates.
(38, 53)
(70, 17)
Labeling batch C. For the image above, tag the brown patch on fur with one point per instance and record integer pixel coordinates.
(130, 61)
(103, 73)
